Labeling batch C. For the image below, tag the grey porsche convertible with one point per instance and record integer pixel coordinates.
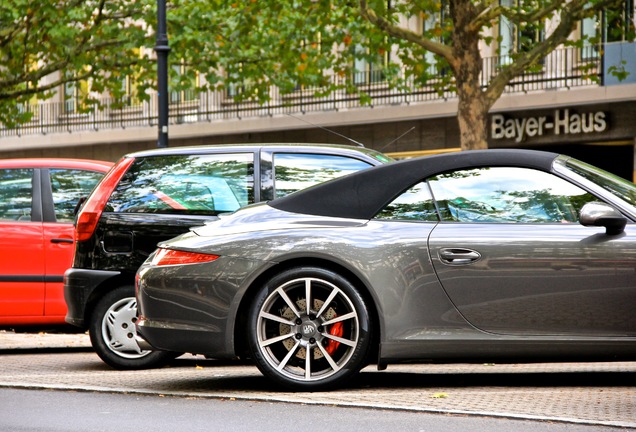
(479, 256)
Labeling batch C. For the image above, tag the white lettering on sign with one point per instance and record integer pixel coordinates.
(563, 123)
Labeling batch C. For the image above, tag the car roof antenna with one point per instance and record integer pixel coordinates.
(359, 144)
(391, 142)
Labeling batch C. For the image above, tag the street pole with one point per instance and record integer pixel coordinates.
(162, 49)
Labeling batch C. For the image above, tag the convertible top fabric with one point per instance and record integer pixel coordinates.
(363, 194)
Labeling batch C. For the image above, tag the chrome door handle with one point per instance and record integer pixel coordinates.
(458, 255)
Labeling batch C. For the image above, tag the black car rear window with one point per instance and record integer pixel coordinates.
(296, 171)
(186, 184)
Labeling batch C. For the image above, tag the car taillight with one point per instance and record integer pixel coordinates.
(92, 209)
(165, 257)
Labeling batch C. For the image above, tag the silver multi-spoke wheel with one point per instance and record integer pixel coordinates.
(118, 329)
(309, 330)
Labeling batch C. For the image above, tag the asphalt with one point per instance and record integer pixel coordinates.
(602, 394)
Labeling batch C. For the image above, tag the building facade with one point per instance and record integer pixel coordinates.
(587, 113)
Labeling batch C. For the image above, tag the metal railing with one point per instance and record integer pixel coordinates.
(563, 68)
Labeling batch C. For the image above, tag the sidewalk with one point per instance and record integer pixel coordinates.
(12, 341)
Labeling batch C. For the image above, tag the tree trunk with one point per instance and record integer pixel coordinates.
(467, 64)
(472, 117)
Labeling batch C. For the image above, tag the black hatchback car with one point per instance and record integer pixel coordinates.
(152, 196)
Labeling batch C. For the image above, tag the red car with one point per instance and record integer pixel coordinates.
(37, 208)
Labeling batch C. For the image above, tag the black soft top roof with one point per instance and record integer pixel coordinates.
(363, 194)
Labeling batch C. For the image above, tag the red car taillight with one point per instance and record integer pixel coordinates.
(92, 209)
(165, 257)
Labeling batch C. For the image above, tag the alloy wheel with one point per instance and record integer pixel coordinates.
(308, 329)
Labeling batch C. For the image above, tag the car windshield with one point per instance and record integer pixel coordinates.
(615, 185)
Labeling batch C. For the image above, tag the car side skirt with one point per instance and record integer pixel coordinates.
(510, 350)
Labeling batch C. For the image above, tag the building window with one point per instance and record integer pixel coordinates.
(310, 48)
(619, 22)
(130, 93)
(188, 82)
(235, 86)
(433, 26)
(75, 92)
(514, 38)
(234, 90)
(613, 25)
(369, 68)
(590, 35)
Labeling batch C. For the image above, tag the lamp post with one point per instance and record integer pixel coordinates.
(162, 49)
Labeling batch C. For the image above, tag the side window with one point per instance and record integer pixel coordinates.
(16, 192)
(506, 195)
(415, 204)
(68, 186)
(296, 171)
(186, 184)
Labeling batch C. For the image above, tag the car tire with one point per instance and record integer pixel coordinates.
(309, 349)
(113, 333)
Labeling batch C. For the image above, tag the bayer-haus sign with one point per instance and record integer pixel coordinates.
(562, 122)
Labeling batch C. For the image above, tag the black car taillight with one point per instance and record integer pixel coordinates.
(92, 209)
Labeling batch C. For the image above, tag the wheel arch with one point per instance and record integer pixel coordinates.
(240, 331)
(104, 287)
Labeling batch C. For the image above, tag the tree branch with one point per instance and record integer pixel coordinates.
(569, 17)
(404, 34)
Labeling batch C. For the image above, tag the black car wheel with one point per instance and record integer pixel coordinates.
(309, 329)
(113, 333)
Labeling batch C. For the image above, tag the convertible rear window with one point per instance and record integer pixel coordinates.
(416, 204)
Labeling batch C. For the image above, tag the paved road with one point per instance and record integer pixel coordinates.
(580, 393)
(73, 411)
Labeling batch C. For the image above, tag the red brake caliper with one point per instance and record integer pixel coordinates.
(335, 330)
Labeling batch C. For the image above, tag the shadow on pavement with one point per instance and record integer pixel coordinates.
(222, 375)
(388, 381)
(218, 375)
